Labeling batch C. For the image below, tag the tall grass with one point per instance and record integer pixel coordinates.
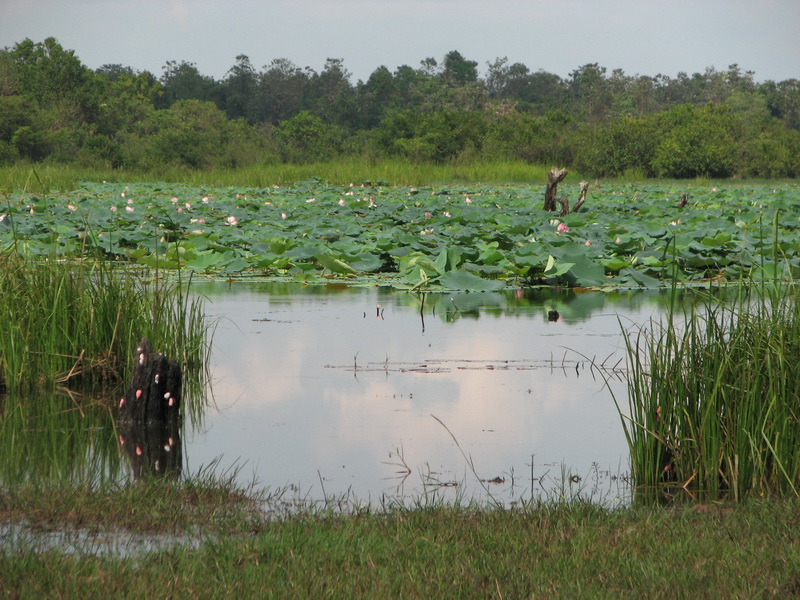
(46, 178)
(713, 397)
(77, 324)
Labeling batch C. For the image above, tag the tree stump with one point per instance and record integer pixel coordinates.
(154, 396)
(554, 177)
(582, 196)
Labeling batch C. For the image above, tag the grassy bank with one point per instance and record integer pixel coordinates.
(552, 551)
(45, 178)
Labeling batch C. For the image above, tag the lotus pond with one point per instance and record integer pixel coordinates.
(457, 237)
(420, 361)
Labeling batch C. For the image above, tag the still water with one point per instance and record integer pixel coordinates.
(382, 396)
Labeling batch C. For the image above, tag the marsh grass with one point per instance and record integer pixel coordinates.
(75, 324)
(47, 178)
(714, 406)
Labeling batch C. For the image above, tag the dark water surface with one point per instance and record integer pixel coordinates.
(342, 391)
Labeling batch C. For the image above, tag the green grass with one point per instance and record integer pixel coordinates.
(540, 551)
(40, 178)
(713, 401)
(77, 324)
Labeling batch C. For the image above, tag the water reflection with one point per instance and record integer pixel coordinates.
(335, 390)
(376, 394)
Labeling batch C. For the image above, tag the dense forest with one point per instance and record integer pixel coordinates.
(55, 109)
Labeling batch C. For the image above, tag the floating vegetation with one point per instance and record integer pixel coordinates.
(457, 237)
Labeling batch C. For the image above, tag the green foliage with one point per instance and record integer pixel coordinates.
(190, 133)
(432, 137)
(307, 138)
(695, 142)
(713, 124)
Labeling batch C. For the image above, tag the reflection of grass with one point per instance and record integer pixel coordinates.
(77, 324)
(714, 401)
(57, 438)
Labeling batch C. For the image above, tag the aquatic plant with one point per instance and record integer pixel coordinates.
(713, 396)
(76, 323)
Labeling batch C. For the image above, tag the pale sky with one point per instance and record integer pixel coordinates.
(645, 37)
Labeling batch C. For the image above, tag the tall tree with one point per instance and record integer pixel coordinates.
(240, 86)
(183, 81)
(458, 70)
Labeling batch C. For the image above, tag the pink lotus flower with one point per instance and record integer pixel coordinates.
(129, 209)
(428, 215)
(618, 240)
(562, 228)
(588, 242)
(70, 206)
(283, 215)
(341, 202)
(174, 200)
(232, 221)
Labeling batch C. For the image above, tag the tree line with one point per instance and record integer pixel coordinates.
(53, 108)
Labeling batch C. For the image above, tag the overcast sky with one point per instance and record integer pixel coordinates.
(644, 37)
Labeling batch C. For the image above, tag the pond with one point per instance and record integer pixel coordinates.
(381, 396)
(371, 395)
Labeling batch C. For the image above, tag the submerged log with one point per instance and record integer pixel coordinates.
(154, 396)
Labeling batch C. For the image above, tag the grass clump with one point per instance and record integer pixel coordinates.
(74, 323)
(713, 398)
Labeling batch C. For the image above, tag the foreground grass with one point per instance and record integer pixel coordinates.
(553, 551)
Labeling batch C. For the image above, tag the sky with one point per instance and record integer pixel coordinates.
(644, 37)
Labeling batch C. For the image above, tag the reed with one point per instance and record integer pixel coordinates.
(714, 406)
(75, 324)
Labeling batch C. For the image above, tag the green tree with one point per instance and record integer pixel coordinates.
(458, 70)
(783, 100)
(307, 138)
(190, 133)
(281, 91)
(330, 94)
(239, 88)
(182, 81)
(696, 141)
